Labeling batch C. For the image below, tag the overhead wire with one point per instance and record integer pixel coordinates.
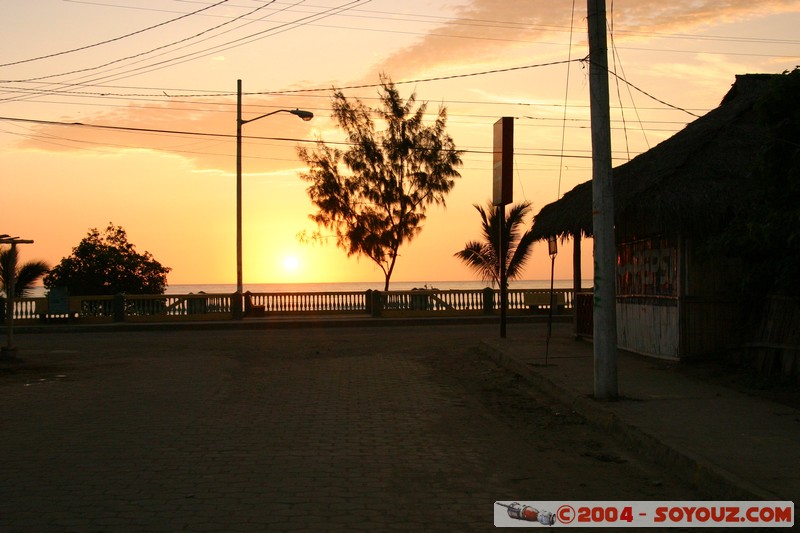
(491, 23)
(305, 92)
(616, 80)
(131, 129)
(566, 99)
(82, 82)
(434, 19)
(241, 41)
(123, 128)
(112, 40)
(495, 24)
(140, 54)
(677, 108)
(616, 56)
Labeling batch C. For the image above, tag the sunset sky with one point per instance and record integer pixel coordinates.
(170, 66)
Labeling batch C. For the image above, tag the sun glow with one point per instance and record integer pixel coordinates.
(291, 264)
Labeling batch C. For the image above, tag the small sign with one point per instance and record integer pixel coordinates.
(58, 301)
(503, 161)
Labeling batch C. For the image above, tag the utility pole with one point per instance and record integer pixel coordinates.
(605, 313)
(239, 288)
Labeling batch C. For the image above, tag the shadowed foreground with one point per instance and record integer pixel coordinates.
(276, 430)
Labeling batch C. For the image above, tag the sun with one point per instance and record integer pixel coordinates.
(291, 264)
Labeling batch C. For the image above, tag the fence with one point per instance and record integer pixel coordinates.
(120, 307)
(141, 308)
(274, 303)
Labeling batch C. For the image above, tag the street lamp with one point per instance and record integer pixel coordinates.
(305, 115)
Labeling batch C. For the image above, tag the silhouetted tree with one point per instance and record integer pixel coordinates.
(374, 194)
(484, 256)
(106, 263)
(24, 276)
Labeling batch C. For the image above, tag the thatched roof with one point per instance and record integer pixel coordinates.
(688, 183)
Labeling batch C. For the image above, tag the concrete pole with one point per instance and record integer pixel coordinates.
(239, 289)
(605, 319)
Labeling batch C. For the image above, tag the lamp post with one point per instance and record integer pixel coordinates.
(305, 115)
(9, 350)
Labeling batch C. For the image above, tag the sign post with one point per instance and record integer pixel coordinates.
(502, 180)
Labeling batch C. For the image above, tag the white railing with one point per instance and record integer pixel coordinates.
(305, 302)
(147, 307)
(180, 306)
(486, 301)
(226, 306)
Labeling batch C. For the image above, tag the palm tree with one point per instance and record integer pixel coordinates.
(484, 256)
(24, 276)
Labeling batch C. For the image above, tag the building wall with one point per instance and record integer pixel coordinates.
(711, 306)
(676, 301)
(648, 311)
(649, 327)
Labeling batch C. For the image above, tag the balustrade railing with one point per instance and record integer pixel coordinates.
(225, 306)
(486, 301)
(171, 306)
(305, 302)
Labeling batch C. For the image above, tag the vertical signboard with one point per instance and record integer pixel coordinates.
(503, 161)
(502, 195)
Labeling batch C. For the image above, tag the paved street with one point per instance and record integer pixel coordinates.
(362, 429)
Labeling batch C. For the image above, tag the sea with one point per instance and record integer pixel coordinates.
(363, 286)
(228, 288)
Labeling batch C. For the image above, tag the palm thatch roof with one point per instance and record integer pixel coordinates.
(688, 183)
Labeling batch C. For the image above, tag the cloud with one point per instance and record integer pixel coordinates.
(493, 33)
(204, 151)
(484, 31)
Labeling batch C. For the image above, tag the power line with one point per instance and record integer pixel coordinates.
(614, 60)
(426, 80)
(281, 28)
(490, 23)
(215, 105)
(615, 55)
(499, 24)
(566, 99)
(202, 53)
(299, 91)
(169, 45)
(678, 108)
(107, 41)
(486, 151)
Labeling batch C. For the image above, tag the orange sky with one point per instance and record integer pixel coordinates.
(175, 193)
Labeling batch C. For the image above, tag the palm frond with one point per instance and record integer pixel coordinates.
(24, 276)
(483, 257)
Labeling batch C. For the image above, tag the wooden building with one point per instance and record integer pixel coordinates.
(675, 299)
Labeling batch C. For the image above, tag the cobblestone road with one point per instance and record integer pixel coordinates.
(358, 429)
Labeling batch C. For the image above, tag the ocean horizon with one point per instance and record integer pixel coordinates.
(229, 288)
